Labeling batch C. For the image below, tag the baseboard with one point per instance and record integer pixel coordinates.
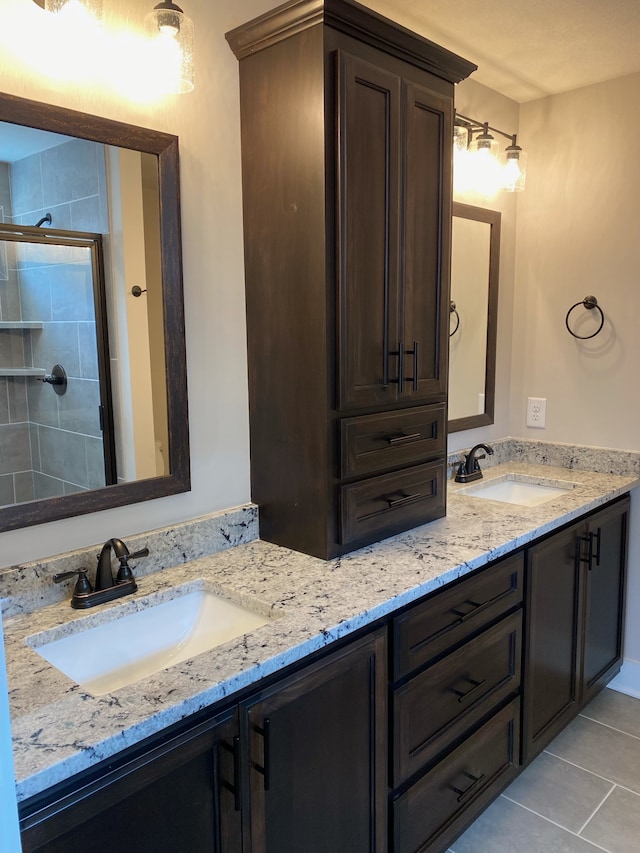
(628, 679)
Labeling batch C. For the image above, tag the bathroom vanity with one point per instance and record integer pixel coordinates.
(319, 713)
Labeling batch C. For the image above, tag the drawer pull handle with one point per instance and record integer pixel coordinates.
(413, 379)
(235, 787)
(592, 554)
(475, 606)
(402, 438)
(264, 769)
(401, 501)
(595, 554)
(400, 353)
(464, 694)
(475, 780)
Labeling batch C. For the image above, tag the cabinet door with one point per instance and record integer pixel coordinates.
(604, 610)
(317, 744)
(368, 232)
(178, 796)
(551, 666)
(394, 226)
(427, 237)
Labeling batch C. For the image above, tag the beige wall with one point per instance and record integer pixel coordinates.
(477, 101)
(578, 233)
(207, 122)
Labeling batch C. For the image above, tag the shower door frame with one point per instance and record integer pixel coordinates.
(93, 242)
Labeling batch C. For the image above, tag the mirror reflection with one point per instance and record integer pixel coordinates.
(93, 405)
(91, 217)
(474, 299)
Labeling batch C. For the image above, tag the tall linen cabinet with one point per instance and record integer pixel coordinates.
(346, 175)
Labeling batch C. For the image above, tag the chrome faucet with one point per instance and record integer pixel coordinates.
(106, 587)
(469, 470)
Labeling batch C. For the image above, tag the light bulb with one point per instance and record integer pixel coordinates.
(169, 23)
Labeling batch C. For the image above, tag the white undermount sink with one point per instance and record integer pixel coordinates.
(128, 647)
(519, 489)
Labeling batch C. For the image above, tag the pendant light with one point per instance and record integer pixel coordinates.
(172, 33)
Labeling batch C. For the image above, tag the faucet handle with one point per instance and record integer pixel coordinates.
(144, 552)
(124, 572)
(82, 586)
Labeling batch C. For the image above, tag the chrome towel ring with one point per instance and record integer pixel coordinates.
(589, 302)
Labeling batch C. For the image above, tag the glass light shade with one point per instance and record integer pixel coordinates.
(460, 138)
(462, 160)
(77, 8)
(514, 169)
(486, 145)
(485, 168)
(171, 33)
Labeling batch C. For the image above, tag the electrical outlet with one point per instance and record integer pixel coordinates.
(537, 412)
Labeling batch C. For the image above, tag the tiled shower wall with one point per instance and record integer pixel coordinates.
(53, 442)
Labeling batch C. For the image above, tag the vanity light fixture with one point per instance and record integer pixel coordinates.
(172, 32)
(158, 60)
(75, 7)
(476, 155)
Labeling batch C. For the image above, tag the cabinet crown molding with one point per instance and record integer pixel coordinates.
(354, 20)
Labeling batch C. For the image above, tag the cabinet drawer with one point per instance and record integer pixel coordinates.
(441, 804)
(391, 503)
(447, 699)
(373, 443)
(448, 617)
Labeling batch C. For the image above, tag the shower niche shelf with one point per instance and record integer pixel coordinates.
(39, 372)
(20, 324)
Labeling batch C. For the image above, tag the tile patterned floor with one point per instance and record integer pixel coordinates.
(581, 795)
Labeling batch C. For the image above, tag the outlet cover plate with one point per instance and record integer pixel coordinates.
(537, 412)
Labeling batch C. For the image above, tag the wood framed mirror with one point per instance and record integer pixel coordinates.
(475, 272)
(64, 176)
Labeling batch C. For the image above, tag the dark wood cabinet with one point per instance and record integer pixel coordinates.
(301, 765)
(346, 160)
(605, 562)
(175, 796)
(393, 247)
(575, 595)
(455, 705)
(318, 756)
(439, 806)
(366, 748)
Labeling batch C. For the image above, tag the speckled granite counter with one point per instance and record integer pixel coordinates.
(59, 730)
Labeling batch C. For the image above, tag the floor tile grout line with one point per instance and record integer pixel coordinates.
(597, 808)
(555, 823)
(607, 726)
(580, 767)
(593, 773)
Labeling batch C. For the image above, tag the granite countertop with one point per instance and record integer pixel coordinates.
(59, 729)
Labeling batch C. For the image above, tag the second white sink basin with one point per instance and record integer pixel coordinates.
(129, 647)
(518, 489)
